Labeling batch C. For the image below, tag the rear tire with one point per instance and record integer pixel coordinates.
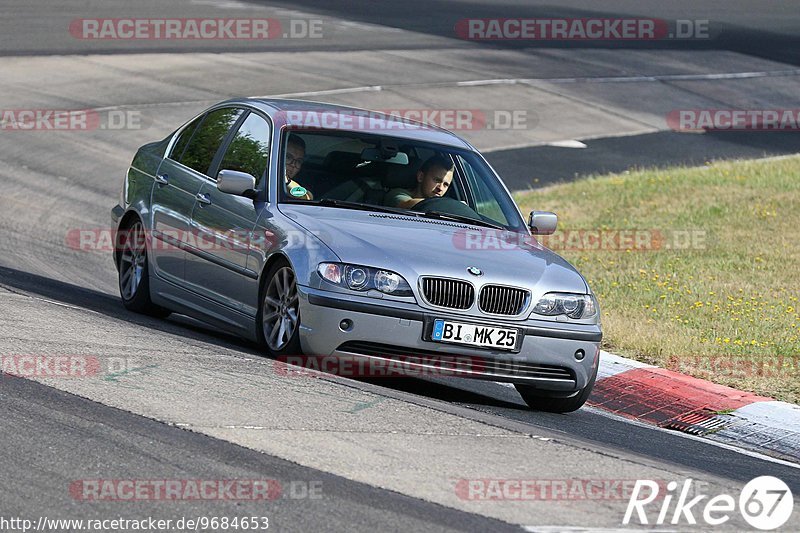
(540, 400)
(134, 272)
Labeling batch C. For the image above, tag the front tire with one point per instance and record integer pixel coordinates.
(134, 272)
(540, 400)
(278, 318)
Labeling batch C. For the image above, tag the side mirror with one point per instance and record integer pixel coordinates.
(543, 222)
(236, 183)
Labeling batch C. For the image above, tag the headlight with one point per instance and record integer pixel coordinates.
(356, 277)
(576, 306)
(388, 282)
(361, 278)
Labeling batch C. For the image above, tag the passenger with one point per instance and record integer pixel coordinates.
(433, 180)
(295, 152)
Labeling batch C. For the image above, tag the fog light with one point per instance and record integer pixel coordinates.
(346, 325)
(579, 355)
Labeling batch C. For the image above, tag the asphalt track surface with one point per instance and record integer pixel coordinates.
(44, 426)
(55, 301)
(555, 164)
(52, 438)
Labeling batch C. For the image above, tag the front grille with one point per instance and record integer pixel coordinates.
(450, 293)
(499, 300)
(455, 364)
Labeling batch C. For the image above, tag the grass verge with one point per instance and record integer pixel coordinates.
(696, 269)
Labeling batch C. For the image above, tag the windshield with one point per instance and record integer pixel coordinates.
(353, 170)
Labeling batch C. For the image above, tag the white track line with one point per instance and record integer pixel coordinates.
(635, 79)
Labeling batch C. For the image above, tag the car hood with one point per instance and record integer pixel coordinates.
(414, 247)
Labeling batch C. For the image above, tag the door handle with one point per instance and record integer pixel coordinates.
(203, 198)
(162, 179)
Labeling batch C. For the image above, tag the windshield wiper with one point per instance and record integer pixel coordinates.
(462, 218)
(366, 207)
(331, 202)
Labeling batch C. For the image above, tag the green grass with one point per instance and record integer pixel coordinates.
(723, 308)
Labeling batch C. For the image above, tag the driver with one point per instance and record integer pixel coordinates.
(295, 153)
(433, 180)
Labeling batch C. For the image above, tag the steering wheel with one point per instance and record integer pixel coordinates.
(445, 204)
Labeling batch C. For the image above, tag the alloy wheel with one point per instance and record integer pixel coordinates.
(281, 309)
(133, 261)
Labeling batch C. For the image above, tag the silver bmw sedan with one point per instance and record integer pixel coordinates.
(328, 232)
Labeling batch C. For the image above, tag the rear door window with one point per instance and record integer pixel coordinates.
(183, 139)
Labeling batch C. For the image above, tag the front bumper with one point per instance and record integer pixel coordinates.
(386, 330)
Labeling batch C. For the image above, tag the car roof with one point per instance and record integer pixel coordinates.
(307, 114)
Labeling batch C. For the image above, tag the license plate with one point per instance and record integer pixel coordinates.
(474, 334)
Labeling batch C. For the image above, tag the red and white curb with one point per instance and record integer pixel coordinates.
(676, 401)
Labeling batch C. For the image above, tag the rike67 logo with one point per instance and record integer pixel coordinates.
(765, 503)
